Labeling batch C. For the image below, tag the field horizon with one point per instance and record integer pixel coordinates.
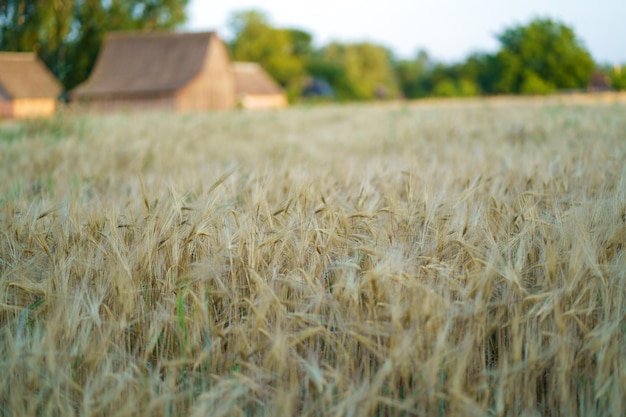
(405, 259)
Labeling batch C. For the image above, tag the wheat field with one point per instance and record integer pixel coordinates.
(433, 259)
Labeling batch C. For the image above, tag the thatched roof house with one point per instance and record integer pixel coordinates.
(180, 71)
(27, 87)
(255, 88)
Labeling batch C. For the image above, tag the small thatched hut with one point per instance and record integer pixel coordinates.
(256, 89)
(27, 87)
(178, 71)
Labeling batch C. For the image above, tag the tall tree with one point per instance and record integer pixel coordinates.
(540, 57)
(67, 34)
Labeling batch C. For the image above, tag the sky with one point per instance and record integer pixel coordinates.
(448, 29)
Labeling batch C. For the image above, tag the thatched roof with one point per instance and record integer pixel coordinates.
(251, 79)
(146, 63)
(23, 75)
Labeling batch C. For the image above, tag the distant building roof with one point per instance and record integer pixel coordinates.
(23, 75)
(146, 63)
(251, 79)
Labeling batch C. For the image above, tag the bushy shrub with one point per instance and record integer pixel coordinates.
(618, 78)
(533, 84)
(445, 88)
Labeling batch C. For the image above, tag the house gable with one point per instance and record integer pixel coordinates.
(214, 87)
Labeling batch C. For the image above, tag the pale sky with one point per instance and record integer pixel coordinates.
(448, 29)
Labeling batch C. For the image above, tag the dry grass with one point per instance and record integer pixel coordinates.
(347, 261)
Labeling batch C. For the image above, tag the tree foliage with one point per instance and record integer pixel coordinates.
(366, 70)
(413, 76)
(68, 34)
(356, 71)
(618, 78)
(541, 57)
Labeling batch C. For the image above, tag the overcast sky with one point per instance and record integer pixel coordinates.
(448, 29)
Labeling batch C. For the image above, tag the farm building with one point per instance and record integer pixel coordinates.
(256, 89)
(178, 71)
(27, 87)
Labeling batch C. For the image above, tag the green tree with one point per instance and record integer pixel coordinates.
(68, 34)
(413, 76)
(467, 88)
(534, 84)
(301, 43)
(456, 88)
(445, 88)
(366, 70)
(422, 77)
(541, 56)
(279, 51)
(618, 78)
(482, 70)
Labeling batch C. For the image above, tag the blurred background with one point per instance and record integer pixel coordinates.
(352, 50)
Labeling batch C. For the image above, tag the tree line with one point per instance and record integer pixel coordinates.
(540, 57)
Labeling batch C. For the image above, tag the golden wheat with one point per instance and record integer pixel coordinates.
(463, 259)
